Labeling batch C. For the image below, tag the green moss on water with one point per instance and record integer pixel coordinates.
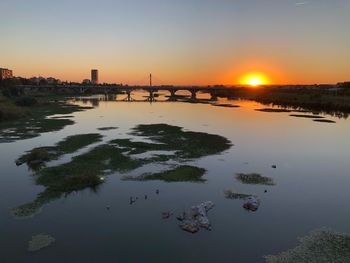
(229, 194)
(183, 173)
(254, 178)
(321, 246)
(88, 170)
(83, 171)
(34, 120)
(40, 155)
(187, 144)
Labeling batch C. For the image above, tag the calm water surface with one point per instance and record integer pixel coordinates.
(312, 190)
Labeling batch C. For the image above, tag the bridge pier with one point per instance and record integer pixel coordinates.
(193, 94)
(213, 95)
(129, 98)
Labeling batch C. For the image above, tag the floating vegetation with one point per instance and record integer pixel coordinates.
(89, 170)
(254, 178)
(321, 246)
(84, 171)
(39, 242)
(306, 116)
(273, 110)
(187, 144)
(36, 121)
(39, 156)
(183, 173)
(229, 194)
(226, 105)
(324, 121)
(107, 128)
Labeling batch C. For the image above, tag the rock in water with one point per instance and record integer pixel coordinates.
(39, 242)
(196, 218)
(166, 215)
(252, 203)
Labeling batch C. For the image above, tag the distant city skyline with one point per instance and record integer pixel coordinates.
(192, 42)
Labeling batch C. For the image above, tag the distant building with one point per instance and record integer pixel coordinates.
(5, 73)
(86, 82)
(94, 76)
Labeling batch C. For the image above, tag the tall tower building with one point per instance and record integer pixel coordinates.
(94, 76)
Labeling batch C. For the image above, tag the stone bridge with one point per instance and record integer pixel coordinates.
(109, 89)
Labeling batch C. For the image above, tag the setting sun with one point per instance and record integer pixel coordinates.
(254, 79)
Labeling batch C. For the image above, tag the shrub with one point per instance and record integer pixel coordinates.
(26, 101)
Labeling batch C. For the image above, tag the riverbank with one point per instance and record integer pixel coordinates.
(333, 102)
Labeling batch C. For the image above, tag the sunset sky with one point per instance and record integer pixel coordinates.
(179, 41)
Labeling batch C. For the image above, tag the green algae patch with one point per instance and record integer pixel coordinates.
(183, 173)
(39, 156)
(306, 116)
(86, 170)
(229, 194)
(107, 128)
(324, 121)
(29, 210)
(137, 147)
(254, 178)
(83, 171)
(35, 121)
(89, 170)
(39, 242)
(321, 246)
(273, 110)
(186, 144)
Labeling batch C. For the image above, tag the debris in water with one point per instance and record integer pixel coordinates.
(274, 166)
(166, 215)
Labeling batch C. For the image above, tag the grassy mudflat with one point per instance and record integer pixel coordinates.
(254, 178)
(184, 173)
(88, 170)
(229, 194)
(321, 246)
(38, 156)
(31, 121)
